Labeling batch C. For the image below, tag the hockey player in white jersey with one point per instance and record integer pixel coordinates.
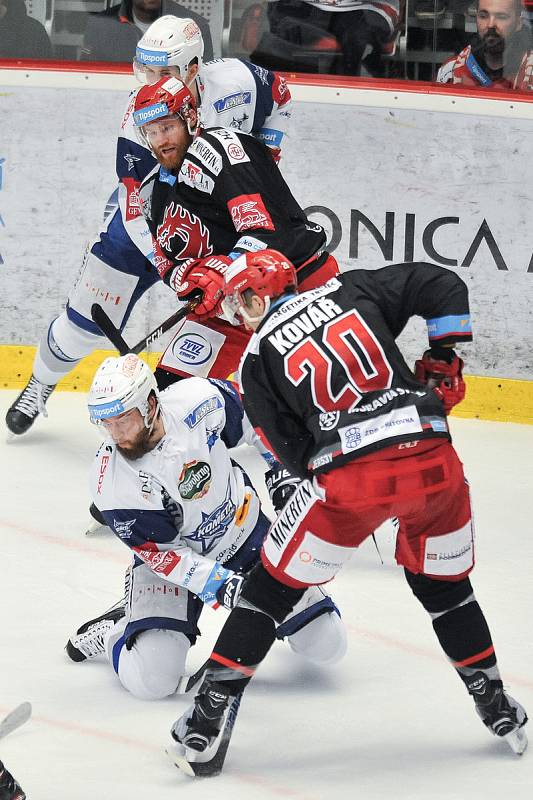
(165, 484)
(118, 268)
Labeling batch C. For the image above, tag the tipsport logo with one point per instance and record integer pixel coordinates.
(151, 112)
(152, 57)
(2, 223)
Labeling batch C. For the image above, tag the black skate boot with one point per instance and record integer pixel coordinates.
(9, 788)
(89, 640)
(29, 404)
(500, 712)
(202, 734)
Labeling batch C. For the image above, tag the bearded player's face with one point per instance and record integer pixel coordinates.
(169, 140)
(129, 433)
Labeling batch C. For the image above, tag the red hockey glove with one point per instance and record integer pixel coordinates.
(443, 376)
(206, 275)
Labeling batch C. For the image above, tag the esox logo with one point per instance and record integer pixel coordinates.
(190, 231)
(103, 466)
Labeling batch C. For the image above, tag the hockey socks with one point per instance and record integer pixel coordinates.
(243, 643)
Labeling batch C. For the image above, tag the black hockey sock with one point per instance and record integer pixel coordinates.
(242, 644)
(465, 638)
(459, 623)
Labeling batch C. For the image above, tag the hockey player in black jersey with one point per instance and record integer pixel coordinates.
(215, 192)
(324, 380)
(9, 788)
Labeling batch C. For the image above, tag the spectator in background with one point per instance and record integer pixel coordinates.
(500, 55)
(112, 35)
(21, 36)
(361, 27)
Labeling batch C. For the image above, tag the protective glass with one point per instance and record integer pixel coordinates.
(158, 129)
(149, 74)
(121, 424)
(231, 306)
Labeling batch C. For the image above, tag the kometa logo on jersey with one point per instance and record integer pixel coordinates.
(214, 525)
(179, 222)
(248, 211)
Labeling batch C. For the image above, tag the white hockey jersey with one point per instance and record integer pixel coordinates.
(233, 94)
(185, 508)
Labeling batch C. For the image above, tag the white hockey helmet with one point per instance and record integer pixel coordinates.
(119, 385)
(169, 42)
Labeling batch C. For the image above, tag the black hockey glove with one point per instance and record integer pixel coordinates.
(229, 592)
(281, 485)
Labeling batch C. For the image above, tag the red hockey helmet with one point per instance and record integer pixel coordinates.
(169, 97)
(266, 272)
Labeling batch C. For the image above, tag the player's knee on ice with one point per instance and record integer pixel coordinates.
(152, 668)
(314, 629)
(322, 641)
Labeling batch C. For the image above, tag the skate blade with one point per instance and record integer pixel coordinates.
(517, 741)
(96, 529)
(179, 760)
(188, 682)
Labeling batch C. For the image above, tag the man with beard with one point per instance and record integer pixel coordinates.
(165, 484)
(216, 194)
(231, 93)
(500, 56)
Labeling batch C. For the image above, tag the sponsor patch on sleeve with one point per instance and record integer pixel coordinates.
(248, 212)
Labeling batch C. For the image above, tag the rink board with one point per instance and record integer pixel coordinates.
(403, 177)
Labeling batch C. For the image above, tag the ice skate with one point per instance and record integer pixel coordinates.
(202, 734)
(97, 525)
(29, 404)
(89, 640)
(500, 712)
(9, 788)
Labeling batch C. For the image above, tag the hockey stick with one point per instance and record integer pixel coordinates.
(15, 719)
(115, 337)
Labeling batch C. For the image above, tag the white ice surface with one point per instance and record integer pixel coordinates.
(391, 721)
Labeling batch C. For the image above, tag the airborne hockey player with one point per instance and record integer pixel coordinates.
(216, 194)
(325, 381)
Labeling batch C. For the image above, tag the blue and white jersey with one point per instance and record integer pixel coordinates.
(233, 94)
(185, 508)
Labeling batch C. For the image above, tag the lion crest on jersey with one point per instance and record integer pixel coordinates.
(190, 231)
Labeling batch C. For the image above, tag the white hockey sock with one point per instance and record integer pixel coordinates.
(61, 348)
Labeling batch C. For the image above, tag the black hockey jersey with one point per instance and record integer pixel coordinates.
(229, 196)
(324, 379)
